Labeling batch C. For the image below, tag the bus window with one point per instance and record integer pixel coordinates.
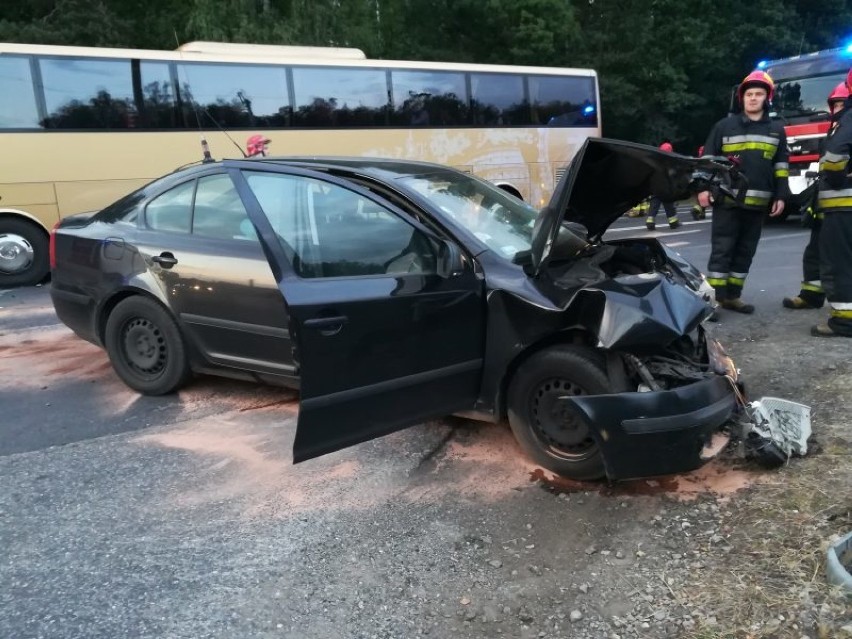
(563, 101)
(17, 97)
(248, 96)
(88, 93)
(498, 99)
(157, 96)
(429, 98)
(345, 97)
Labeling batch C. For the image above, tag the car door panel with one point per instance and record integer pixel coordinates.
(222, 290)
(378, 352)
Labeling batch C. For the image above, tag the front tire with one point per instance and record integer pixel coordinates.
(551, 435)
(146, 347)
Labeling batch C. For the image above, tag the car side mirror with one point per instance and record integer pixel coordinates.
(450, 260)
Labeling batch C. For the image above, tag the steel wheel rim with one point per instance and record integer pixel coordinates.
(144, 347)
(548, 419)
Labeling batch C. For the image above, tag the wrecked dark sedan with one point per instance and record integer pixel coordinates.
(391, 292)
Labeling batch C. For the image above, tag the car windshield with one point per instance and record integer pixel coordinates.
(805, 96)
(501, 221)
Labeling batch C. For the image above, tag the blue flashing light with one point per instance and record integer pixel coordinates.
(588, 110)
(848, 49)
(762, 64)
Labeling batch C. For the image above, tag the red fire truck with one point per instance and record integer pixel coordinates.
(802, 84)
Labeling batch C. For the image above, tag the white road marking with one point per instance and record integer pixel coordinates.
(643, 228)
(785, 236)
(676, 244)
(664, 234)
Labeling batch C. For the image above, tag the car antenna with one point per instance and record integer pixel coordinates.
(205, 149)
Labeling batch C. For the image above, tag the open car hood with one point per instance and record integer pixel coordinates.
(605, 179)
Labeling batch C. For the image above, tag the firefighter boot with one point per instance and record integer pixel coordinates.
(797, 303)
(823, 330)
(674, 222)
(649, 223)
(698, 213)
(810, 296)
(737, 305)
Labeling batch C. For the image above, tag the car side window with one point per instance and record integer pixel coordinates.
(218, 211)
(329, 231)
(172, 210)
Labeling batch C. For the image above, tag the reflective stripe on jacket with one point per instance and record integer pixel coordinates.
(761, 147)
(835, 184)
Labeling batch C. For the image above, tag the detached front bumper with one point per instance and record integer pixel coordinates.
(659, 432)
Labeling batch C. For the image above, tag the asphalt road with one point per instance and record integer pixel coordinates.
(183, 516)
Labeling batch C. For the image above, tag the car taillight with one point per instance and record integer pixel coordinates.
(52, 246)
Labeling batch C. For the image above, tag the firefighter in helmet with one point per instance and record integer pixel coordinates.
(812, 294)
(759, 146)
(834, 201)
(257, 145)
(655, 202)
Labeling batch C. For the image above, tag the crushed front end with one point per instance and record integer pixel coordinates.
(673, 413)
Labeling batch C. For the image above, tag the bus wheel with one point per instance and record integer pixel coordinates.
(23, 253)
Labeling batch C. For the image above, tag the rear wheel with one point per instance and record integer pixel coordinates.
(146, 347)
(550, 434)
(24, 257)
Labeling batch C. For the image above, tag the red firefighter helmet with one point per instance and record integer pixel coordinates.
(667, 146)
(255, 144)
(839, 94)
(757, 79)
(849, 80)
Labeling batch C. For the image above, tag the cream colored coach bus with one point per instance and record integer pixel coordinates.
(79, 127)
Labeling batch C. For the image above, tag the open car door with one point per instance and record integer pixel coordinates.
(381, 340)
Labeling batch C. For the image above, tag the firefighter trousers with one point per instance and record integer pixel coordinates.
(671, 211)
(735, 233)
(812, 290)
(835, 248)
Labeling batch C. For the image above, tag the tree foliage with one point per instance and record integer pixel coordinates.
(666, 66)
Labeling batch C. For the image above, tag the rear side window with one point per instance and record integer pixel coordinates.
(329, 231)
(172, 210)
(17, 96)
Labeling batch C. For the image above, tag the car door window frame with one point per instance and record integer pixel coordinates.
(145, 222)
(269, 237)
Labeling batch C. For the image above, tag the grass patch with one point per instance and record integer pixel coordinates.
(767, 580)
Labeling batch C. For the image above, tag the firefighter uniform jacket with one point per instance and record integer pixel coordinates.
(761, 147)
(835, 185)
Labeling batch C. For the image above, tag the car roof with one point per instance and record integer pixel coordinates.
(381, 168)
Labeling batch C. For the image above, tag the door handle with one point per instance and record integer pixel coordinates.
(327, 326)
(165, 259)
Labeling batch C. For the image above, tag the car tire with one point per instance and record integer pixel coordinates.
(146, 347)
(533, 411)
(37, 239)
